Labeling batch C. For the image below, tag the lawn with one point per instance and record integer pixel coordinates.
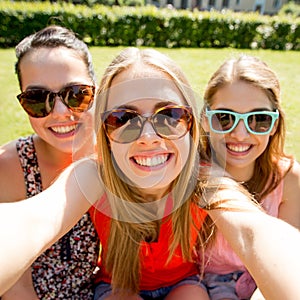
(198, 64)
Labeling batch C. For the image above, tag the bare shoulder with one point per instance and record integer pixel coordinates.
(292, 178)
(289, 209)
(12, 186)
(8, 158)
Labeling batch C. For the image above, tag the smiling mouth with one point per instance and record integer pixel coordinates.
(151, 161)
(63, 129)
(238, 148)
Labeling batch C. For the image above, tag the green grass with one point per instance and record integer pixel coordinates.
(198, 64)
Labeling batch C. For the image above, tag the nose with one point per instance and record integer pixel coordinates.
(60, 108)
(240, 132)
(148, 134)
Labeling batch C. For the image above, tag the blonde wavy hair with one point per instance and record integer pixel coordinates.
(257, 73)
(122, 258)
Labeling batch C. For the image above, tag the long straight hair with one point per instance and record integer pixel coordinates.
(122, 259)
(257, 73)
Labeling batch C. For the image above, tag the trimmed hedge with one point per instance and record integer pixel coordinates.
(150, 26)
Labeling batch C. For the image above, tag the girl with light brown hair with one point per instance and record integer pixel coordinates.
(244, 132)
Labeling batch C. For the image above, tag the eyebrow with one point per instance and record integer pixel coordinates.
(41, 87)
(156, 106)
(36, 87)
(253, 110)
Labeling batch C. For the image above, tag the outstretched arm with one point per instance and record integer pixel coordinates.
(269, 247)
(41, 220)
(22, 289)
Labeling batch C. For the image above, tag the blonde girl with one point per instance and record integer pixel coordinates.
(146, 124)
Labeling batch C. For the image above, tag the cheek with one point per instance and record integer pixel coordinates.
(37, 123)
(123, 168)
(85, 134)
(205, 124)
(274, 129)
(264, 142)
(118, 152)
(215, 140)
(217, 144)
(183, 146)
(86, 119)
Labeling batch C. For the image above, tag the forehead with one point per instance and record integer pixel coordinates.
(241, 96)
(55, 55)
(154, 89)
(52, 68)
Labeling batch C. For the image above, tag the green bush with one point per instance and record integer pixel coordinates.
(290, 9)
(149, 26)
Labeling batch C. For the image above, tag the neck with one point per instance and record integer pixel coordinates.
(154, 195)
(156, 202)
(240, 174)
(53, 161)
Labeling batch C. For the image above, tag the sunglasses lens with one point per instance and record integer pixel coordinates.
(78, 97)
(173, 122)
(34, 103)
(259, 122)
(39, 103)
(123, 126)
(222, 121)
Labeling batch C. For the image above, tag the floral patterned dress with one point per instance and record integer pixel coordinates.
(65, 270)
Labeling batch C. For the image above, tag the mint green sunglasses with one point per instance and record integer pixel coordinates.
(256, 122)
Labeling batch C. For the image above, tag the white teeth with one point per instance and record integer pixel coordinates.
(239, 148)
(63, 129)
(151, 161)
